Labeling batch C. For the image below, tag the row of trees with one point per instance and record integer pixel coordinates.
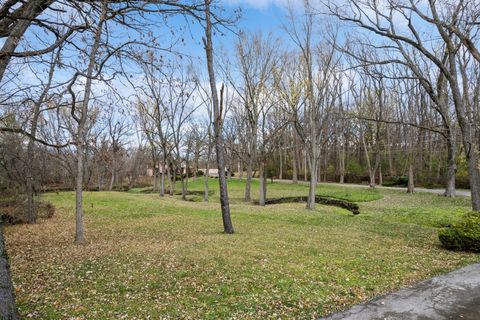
(395, 103)
(60, 63)
(319, 108)
(55, 86)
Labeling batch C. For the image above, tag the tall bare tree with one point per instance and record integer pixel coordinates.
(217, 121)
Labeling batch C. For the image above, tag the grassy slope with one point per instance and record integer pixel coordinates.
(166, 258)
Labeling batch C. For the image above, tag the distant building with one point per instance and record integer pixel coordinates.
(212, 172)
(159, 168)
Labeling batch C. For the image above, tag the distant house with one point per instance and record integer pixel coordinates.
(149, 171)
(159, 168)
(212, 172)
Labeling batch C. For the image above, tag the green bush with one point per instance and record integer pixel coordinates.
(396, 181)
(463, 235)
(354, 168)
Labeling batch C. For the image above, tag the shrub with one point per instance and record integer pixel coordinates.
(122, 188)
(396, 181)
(200, 173)
(45, 210)
(14, 211)
(354, 168)
(463, 235)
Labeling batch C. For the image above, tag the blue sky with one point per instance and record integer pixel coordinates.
(267, 16)
(263, 15)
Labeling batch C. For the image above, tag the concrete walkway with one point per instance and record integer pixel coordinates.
(459, 192)
(455, 295)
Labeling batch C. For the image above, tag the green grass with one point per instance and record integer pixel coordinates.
(278, 189)
(166, 258)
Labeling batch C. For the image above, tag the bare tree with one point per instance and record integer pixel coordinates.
(443, 17)
(81, 120)
(179, 103)
(217, 122)
(310, 120)
(117, 129)
(256, 59)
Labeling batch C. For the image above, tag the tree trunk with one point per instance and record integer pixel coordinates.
(207, 174)
(32, 10)
(474, 175)
(99, 181)
(169, 177)
(195, 164)
(342, 178)
(217, 124)
(80, 137)
(377, 165)
(112, 180)
(451, 169)
(391, 171)
(31, 212)
(248, 183)
(280, 173)
(185, 180)
(184, 189)
(313, 183)
(79, 234)
(155, 182)
(305, 174)
(8, 308)
(325, 166)
(371, 172)
(240, 170)
(411, 184)
(466, 126)
(380, 175)
(162, 177)
(173, 185)
(294, 160)
(263, 184)
(231, 171)
(342, 162)
(430, 157)
(250, 162)
(224, 201)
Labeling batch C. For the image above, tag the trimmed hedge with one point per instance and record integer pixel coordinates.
(350, 206)
(395, 181)
(463, 235)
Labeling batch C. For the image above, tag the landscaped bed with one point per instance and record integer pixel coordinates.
(166, 258)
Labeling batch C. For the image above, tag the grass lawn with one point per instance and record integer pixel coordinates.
(163, 258)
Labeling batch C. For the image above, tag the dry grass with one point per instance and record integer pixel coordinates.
(154, 258)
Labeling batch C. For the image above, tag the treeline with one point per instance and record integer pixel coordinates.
(99, 104)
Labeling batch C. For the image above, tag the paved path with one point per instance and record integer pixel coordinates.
(461, 192)
(455, 295)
